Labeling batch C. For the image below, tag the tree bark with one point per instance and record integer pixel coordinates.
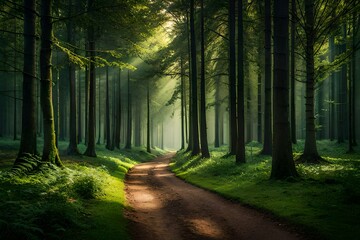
(50, 151)
(194, 98)
(292, 73)
(90, 150)
(282, 163)
(73, 141)
(148, 143)
(240, 151)
(182, 79)
(79, 110)
(310, 150)
(129, 116)
(203, 131)
(232, 80)
(267, 145)
(29, 120)
(107, 107)
(118, 113)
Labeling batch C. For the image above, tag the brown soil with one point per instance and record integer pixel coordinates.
(164, 207)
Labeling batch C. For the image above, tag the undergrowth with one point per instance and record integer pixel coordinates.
(84, 200)
(325, 200)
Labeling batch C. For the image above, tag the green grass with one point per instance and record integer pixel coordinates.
(85, 200)
(325, 201)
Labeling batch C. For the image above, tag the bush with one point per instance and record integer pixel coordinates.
(87, 187)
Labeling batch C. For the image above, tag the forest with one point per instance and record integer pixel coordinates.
(107, 108)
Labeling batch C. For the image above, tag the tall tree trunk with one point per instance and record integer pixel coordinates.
(352, 129)
(107, 107)
(79, 110)
(203, 131)
(190, 145)
(28, 128)
(129, 115)
(332, 91)
(72, 148)
(194, 95)
(182, 79)
(118, 113)
(282, 163)
(310, 150)
(240, 151)
(217, 112)
(90, 150)
(99, 111)
(232, 80)
(292, 73)
(50, 151)
(148, 144)
(267, 145)
(342, 92)
(15, 84)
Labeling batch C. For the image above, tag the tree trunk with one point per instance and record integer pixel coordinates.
(129, 116)
(282, 163)
(217, 112)
(72, 148)
(332, 91)
(79, 110)
(99, 111)
(194, 98)
(292, 73)
(203, 131)
(107, 107)
(50, 151)
(90, 150)
(182, 79)
(232, 80)
(148, 144)
(240, 151)
(342, 93)
(190, 144)
(310, 150)
(118, 113)
(15, 85)
(267, 145)
(28, 128)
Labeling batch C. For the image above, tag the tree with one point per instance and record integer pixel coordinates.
(194, 102)
(72, 148)
(240, 151)
(292, 72)
(29, 122)
(50, 151)
(267, 145)
(203, 131)
(90, 150)
(129, 115)
(232, 79)
(282, 161)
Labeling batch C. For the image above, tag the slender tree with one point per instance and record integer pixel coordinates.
(73, 141)
(240, 151)
(28, 128)
(194, 102)
(232, 79)
(267, 145)
(90, 150)
(148, 144)
(118, 113)
(203, 131)
(129, 115)
(282, 162)
(50, 151)
(292, 73)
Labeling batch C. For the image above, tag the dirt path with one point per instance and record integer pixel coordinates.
(165, 207)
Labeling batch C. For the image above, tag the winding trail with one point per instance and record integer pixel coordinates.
(164, 207)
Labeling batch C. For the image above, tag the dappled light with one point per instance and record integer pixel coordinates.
(111, 112)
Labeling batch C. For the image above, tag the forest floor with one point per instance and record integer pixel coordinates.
(163, 206)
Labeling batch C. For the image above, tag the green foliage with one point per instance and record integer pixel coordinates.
(325, 200)
(84, 200)
(87, 187)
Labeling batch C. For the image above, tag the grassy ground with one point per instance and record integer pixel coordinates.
(325, 201)
(83, 201)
